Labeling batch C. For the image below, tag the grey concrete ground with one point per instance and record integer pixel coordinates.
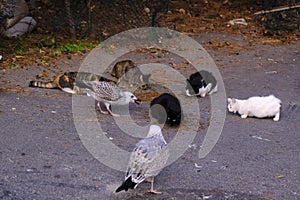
(42, 156)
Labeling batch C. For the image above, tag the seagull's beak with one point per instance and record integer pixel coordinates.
(137, 101)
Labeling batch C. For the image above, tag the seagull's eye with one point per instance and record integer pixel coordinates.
(132, 96)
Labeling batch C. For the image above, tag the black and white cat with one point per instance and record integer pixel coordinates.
(266, 106)
(201, 83)
(166, 109)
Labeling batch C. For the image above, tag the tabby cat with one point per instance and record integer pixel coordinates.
(126, 73)
(129, 75)
(121, 67)
(66, 82)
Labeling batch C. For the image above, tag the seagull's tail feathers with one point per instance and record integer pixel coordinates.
(127, 184)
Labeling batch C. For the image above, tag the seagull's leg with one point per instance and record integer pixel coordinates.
(102, 111)
(110, 112)
(152, 190)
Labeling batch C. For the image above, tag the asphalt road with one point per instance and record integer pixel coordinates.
(42, 156)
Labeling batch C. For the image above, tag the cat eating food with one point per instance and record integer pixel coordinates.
(67, 81)
(201, 83)
(129, 75)
(260, 107)
(166, 109)
(125, 72)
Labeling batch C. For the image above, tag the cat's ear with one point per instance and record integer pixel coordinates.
(229, 100)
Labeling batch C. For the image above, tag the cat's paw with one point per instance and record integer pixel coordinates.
(69, 90)
(244, 116)
(276, 118)
(208, 87)
(203, 94)
(215, 89)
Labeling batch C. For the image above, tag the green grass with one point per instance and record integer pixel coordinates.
(80, 46)
(31, 48)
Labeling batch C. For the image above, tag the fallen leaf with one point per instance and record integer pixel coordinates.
(279, 176)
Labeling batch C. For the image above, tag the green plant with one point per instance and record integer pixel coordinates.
(235, 27)
(81, 46)
(71, 48)
(49, 42)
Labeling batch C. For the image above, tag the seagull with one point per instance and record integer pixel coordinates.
(146, 161)
(109, 93)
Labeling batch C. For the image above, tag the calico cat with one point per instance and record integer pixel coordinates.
(201, 83)
(129, 75)
(121, 67)
(66, 82)
(166, 109)
(266, 106)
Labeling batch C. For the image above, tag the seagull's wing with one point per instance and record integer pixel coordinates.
(106, 90)
(147, 159)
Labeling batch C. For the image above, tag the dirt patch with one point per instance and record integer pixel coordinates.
(102, 19)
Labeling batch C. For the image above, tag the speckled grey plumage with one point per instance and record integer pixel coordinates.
(148, 158)
(109, 93)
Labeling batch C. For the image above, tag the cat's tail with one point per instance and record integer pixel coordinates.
(41, 84)
(276, 99)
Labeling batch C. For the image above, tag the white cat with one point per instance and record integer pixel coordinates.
(267, 106)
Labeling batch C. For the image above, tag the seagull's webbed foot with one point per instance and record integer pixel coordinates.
(113, 114)
(155, 192)
(110, 112)
(151, 189)
(102, 111)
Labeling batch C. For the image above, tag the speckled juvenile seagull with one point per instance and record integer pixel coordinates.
(109, 93)
(146, 161)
